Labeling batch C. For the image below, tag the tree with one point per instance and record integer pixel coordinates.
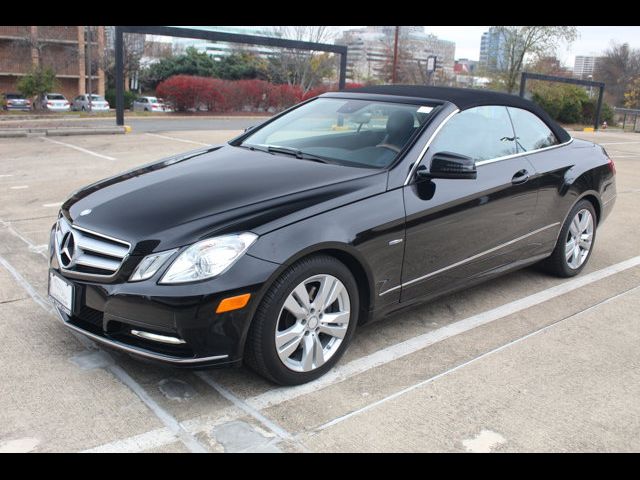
(618, 68)
(133, 50)
(632, 95)
(406, 71)
(38, 82)
(192, 62)
(303, 68)
(519, 43)
(240, 65)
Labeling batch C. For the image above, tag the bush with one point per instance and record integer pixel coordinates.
(129, 97)
(188, 92)
(569, 103)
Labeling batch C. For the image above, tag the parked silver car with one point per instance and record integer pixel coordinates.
(148, 104)
(98, 103)
(55, 102)
(15, 101)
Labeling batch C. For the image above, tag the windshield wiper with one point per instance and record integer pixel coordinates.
(297, 153)
(288, 151)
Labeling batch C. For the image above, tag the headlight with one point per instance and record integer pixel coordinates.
(208, 258)
(150, 265)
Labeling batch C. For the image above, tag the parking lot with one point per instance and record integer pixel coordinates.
(527, 362)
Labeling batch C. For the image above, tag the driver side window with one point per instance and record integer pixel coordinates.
(482, 133)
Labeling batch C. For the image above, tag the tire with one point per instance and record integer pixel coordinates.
(309, 354)
(560, 263)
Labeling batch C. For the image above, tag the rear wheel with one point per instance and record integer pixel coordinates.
(575, 242)
(305, 321)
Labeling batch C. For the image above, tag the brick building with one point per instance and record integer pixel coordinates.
(63, 48)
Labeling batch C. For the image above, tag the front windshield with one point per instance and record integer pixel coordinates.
(363, 133)
(97, 98)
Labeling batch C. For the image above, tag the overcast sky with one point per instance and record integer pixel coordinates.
(591, 40)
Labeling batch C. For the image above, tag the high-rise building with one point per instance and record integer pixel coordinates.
(584, 66)
(493, 51)
(220, 49)
(370, 50)
(61, 48)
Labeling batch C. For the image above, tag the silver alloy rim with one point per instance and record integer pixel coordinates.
(312, 323)
(579, 239)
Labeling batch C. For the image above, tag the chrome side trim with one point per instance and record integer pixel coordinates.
(157, 338)
(138, 351)
(424, 149)
(521, 154)
(470, 259)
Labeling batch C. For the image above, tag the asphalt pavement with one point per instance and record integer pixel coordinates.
(526, 362)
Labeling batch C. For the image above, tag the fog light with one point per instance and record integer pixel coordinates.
(233, 303)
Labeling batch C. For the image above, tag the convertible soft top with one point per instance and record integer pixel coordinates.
(465, 98)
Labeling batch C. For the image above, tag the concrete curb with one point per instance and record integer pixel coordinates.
(62, 131)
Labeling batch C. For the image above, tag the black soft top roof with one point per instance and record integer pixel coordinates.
(465, 98)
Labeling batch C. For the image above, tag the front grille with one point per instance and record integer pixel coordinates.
(85, 252)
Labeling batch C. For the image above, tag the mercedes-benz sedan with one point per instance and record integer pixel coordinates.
(274, 247)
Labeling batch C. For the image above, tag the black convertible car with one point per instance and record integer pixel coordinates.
(348, 207)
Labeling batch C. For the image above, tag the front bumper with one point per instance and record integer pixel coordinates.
(109, 312)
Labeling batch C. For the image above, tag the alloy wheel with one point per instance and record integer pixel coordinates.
(579, 239)
(312, 323)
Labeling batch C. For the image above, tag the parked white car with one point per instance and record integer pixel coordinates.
(148, 104)
(98, 103)
(55, 102)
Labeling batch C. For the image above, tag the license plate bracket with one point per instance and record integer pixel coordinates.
(61, 292)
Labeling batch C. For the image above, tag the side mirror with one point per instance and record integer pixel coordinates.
(449, 165)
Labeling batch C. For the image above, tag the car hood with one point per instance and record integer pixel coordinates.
(223, 189)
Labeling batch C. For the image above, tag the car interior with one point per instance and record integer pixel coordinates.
(366, 147)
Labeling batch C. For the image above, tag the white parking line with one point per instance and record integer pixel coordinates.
(394, 352)
(239, 403)
(80, 149)
(138, 443)
(54, 204)
(19, 187)
(6, 175)
(616, 143)
(175, 139)
(370, 406)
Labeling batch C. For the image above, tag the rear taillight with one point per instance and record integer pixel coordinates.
(50, 103)
(612, 166)
(9, 102)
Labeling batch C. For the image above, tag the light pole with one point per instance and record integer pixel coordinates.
(88, 62)
(395, 56)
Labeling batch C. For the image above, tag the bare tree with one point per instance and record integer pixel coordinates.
(301, 67)
(618, 68)
(133, 48)
(518, 43)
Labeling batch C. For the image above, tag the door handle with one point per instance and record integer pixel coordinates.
(520, 176)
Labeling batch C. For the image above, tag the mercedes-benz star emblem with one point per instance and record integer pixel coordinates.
(67, 249)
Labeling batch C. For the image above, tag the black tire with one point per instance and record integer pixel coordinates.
(557, 263)
(260, 349)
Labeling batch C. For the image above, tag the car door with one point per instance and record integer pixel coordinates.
(535, 139)
(460, 229)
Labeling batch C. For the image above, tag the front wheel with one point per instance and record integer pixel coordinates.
(575, 242)
(305, 321)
